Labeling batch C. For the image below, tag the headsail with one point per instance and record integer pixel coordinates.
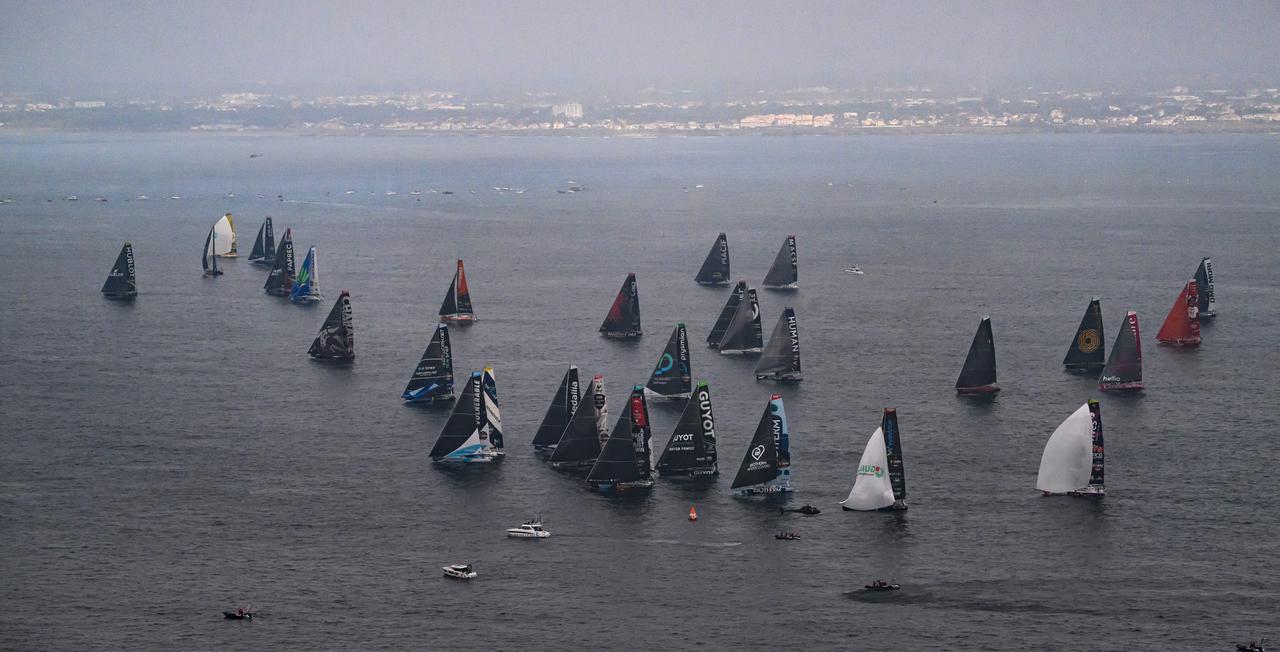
(623, 320)
(121, 282)
(1124, 367)
(979, 373)
(625, 458)
(671, 377)
(223, 243)
(579, 444)
(559, 412)
(1088, 348)
(432, 379)
(766, 467)
(457, 303)
(715, 269)
(306, 287)
(881, 481)
(691, 451)
(1206, 302)
(784, 274)
(280, 280)
(726, 315)
(743, 335)
(264, 246)
(1073, 459)
(466, 435)
(1181, 326)
(781, 359)
(336, 340)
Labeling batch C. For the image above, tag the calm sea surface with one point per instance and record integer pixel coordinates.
(167, 459)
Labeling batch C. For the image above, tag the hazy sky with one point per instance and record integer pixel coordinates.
(600, 47)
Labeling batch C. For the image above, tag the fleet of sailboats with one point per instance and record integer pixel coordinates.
(432, 379)
(978, 376)
(122, 281)
(881, 481)
(336, 339)
(623, 320)
(671, 377)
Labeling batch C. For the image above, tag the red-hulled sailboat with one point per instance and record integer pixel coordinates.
(1182, 326)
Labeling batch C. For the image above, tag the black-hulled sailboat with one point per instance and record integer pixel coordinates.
(1206, 302)
(280, 280)
(1088, 353)
(623, 320)
(766, 467)
(579, 444)
(691, 450)
(881, 482)
(209, 256)
(626, 458)
(743, 335)
(979, 373)
(558, 414)
(715, 269)
(1074, 457)
(470, 435)
(264, 246)
(336, 340)
(1124, 367)
(671, 377)
(781, 358)
(457, 302)
(726, 315)
(121, 282)
(432, 379)
(784, 273)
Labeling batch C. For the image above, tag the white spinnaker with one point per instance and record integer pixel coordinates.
(871, 487)
(223, 237)
(1068, 456)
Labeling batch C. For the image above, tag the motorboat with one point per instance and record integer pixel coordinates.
(787, 536)
(528, 530)
(242, 613)
(807, 510)
(853, 270)
(881, 585)
(459, 571)
(1252, 646)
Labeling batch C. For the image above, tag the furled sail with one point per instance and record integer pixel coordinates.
(691, 450)
(457, 302)
(671, 377)
(743, 335)
(561, 410)
(783, 274)
(715, 269)
(336, 339)
(1181, 326)
(781, 358)
(432, 379)
(1124, 366)
(1088, 348)
(623, 320)
(280, 280)
(979, 373)
(726, 315)
(766, 467)
(122, 282)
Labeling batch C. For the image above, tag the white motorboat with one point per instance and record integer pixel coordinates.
(853, 270)
(528, 530)
(459, 571)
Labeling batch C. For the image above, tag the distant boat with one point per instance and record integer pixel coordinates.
(766, 467)
(459, 571)
(881, 481)
(558, 414)
(122, 283)
(1206, 302)
(671, 377)
(469, 435)
(579, 444)
(715, 268)
(528, 530)
(1073, 459)
(208, 257)
(255, 156)
(226, 237)
(626, 458)
(784, 273)
(691, 450)
(306, 285)
(743, 335)
(979, 373)
(336, 339)
(623, 320)
(1123, 371)
(264, 246)
(1181, 326)
(280, 280)
(726, 315)
(853, 270)
(432, 379)
(1087, 353)
(457, 302)
(781, 358)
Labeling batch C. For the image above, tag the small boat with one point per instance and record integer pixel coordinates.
(671, 377)
(242, 613)
(1123, 371)
(99, 198)
(1073, 462)
(781, 358)
(693, 513)
(336, 339)
(528, 530)
(1181, 326)
(743, 334)
(121, 282)
(1205, 300)
(691, 450)
(255, 156)
(626, 457)
(787, 536)
(978, 376)
(766, 466)
(881, 482)
(715, 268)
(306, 285)
(807, 510)
(784, 274)
(459, 571)
(623, 320)
(881, 585)
(853, 270)
(1251, 646)
(563, 405)
(457, 302)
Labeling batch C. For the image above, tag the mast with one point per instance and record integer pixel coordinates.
(691, 450)
(336, 339)
(579, 444)
(784, 273)
(1087, 352)
(979, 373)
(280, 280)
(1124, 368)
(743, 335)
(715, 268)
(432, 379)
(781, 359)
(671, 377)
(1205, 301)
(766, 467)
(1181, 326)
(623, 320)
(121, 281)
(558, 414)
(726, 315)
(457, 302)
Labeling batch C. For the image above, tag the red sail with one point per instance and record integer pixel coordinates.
(1182, 326)
(462, 281)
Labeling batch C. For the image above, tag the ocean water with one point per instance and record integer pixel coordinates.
(170, 458)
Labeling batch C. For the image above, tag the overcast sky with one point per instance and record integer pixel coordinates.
(597, 47)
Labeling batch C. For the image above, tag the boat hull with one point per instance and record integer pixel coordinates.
(121, 297)
(466, 456)
(789, 286)
(1084, 369)
(762, 490)
(973, 391)
(1190, 342)
(692, 474)
(755, 350)
(429, 401)
(622, 487)
(1135, 386)
(623, 335)
(781, 378)
(714, 284)
(458, 319)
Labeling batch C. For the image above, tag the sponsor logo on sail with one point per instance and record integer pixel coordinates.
(757, 452)
(665, 363)
(871, 469)
(1088, 340)
(704, 407)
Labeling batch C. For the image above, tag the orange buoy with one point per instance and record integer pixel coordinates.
(693, 513)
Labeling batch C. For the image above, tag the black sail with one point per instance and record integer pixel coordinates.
(580, 442)
(617, 460)
(726, 315)
(432, 379)
(208, 261)
(893, 445)
(467, 417)
(457, 301)
(671, 376)
(744, 335)
(264, 246)
(691, 450)
(623, 320)
(641, 432)
(760, 464)
(1124, 366)
(1204, 289)
(336, 339)
(121, 282)
(979, 370)
(1088, 348)
(559, 412)
(781, 358)
(784, 272)
(715, 269)
(280, 280)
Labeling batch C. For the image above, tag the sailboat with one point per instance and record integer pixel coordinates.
(562, 407)
(225, 246)
(264, 246)
(1073, 459)
(623, 320)
(280, 280)
(1181, 326)
(1087, 353)
(579, 444)
(1206, 303)
(1124, 367)
(726, 315)
(783, 274)
(979, 373)
(743, 335)
(671, 377)
(121, 281)
(626, 458)
(432, 379)
(691, 450)
(209, 257)
(781, 359)
(715, 268)
(306, 287)
(881, 483)
(457, 303)
(466, 436)
(336, 339)
(766, 467)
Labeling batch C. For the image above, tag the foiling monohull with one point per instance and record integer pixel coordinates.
(781, 358)
(1206, 302)
(471, 435)
(1181, 326)
(1074, 457)
(432, 379)
(625, 462)
(691, 450)
(726, 315)
(457, 302)
(623, 320)
(784, 274)
(122, 283)
(558, 414)
(1088, 353)
(766, 466)
(280, 280)
(979, 373)
(881, 482)
(715, 268)
(336, 339)
(671, 377)
(264, 246)
(580, 443)
(306, 285)
(1124, 367)
(743, 335)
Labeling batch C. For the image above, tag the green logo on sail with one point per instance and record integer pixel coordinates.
(870, 469)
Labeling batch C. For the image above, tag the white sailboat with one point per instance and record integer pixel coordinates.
(1072, 463)
(225, 238)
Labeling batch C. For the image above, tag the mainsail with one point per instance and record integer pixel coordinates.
(280, 280)
(466, 436)
(121, 281)
(783, 274)
(208, 259)
(562, 407)
(623, 320)
(625, 458)
(881, 482)
(1206, 302)
(1124, 367)
(306, 287)
(1088, 348)
(715, 269)
(671, 377)
(457, 303)
(979, 373)
(264, 246)
(336, 340)
(691, 451)
(1074, 457)
(766, 467)
(726, 315)
(432, 379)
(743, 335)
(1181, 326)
(781, 358)
(579, 444)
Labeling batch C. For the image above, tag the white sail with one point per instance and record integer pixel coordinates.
(1067, 457)
(224, 237)
(871, 487)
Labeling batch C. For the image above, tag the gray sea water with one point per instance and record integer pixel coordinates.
(170, 458)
